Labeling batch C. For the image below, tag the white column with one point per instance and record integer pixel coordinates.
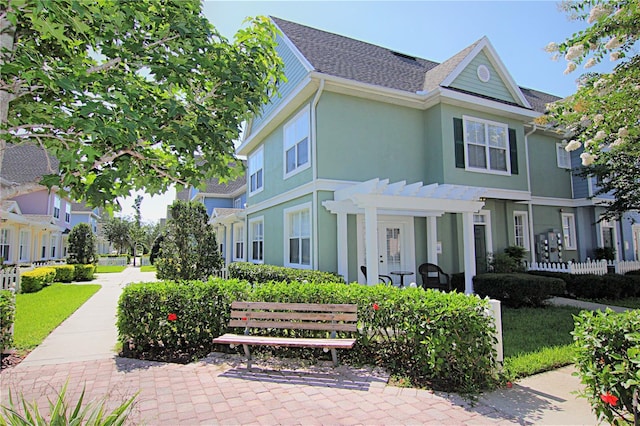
(371, 243)
(469, 252)
(432, 240)
(496, 313)
(343, 249)
(228, 230)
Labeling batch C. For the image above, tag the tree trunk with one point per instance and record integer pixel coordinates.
(7, 31)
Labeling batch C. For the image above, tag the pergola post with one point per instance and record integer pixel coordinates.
(469, 251)
(432, 240)
(342, 249)
(371, 243)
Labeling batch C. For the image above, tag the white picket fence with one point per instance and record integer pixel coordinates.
(113, 261)
(10, 278)
(597, 267)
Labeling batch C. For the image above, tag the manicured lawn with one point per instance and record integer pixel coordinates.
(628, 302)
(104, 269)
(536, 339)
(37, 314)
(148, 268)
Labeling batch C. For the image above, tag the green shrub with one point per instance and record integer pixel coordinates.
(83, 272)
(64, 273)
(636, 272)
(608, 361)
(34, 280)
(591, 286)
(443, 340)
(517, 290)
(7, 315)
(265, 273)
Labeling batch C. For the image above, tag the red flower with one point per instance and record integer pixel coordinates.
(375, 307)
(609, 399)
(172, 317)
(244, 318)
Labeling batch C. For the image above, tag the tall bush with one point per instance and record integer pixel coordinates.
(7, 315)
(608, 361)
(264, 273)
(189, 250)
(82, 245)
(33, 281)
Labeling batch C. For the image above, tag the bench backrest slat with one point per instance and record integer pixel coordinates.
(294, 316)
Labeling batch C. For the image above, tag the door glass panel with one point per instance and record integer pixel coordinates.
(393, 252)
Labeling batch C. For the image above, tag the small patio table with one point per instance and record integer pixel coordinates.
(401, 274)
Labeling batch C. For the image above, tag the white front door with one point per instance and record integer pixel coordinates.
(390, 248)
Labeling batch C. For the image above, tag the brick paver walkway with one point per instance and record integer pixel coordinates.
(217, 392)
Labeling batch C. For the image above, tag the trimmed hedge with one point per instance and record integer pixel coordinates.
(516, 290)
(591, 286)
(607, 349)
(34, 280)
(64, 273)
(441, 340)
(264, 273)
(83, 272)
(7, 315)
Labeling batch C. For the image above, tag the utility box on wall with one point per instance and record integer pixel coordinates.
(549, 246)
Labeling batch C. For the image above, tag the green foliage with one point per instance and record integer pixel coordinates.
(256, 273)
(605, 253)
(64, 273)
(7, 314)
(82, 245)
(515, 290)
(512, 260)
(34, 280)
(37, 314)
(164, 86)
(83, 272)
(117, 231)
(601, 117)
(608, 362)
(591, 286)
(189, 250)
(443, 340)
(23, 413)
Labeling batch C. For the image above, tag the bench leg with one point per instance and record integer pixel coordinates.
(247, 352)
(334, 356)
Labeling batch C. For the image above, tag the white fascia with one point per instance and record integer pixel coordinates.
(465, 100)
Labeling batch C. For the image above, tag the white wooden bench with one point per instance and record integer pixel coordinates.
(292, 316)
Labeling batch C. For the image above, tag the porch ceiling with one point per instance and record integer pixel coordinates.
(416, 198)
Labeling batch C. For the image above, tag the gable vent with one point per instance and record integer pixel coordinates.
(403, 56)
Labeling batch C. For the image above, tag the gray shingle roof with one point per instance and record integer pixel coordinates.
(26, 163)
(363, 62)
(215, 187)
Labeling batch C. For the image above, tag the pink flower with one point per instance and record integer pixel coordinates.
(172, 317)
(375, 307)
(609, 399)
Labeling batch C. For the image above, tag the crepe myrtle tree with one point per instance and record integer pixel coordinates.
(128, 94)
(82, 245)
(188, 249)
(601, 118)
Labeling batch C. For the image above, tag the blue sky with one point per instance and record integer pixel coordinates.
(434, 30)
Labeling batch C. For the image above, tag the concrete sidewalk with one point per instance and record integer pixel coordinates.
(219, 389)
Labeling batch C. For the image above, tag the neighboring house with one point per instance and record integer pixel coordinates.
(374, 157)
(225, 204)
(33, 226)
(82, 213)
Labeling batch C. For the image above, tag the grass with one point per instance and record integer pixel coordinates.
(37, 314)
(107, 269)
(536, 339)
(148, 268)
(627, 302)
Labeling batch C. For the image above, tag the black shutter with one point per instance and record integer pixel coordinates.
(458, 138)
(513, 151)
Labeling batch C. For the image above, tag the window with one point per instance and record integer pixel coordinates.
(257, 240)
(296, 143)
(237, 203)
(54, 245)
(298, 236)
(56, 207)
(256, 166)
(563, 157)
(23, 248)
(238, 241)
(5, 244)
(569, 231)
(521, 229)
(67, 212)
(486, 145)
(43, 253)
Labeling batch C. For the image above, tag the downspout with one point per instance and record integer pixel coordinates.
(529, 205)
(314, 167)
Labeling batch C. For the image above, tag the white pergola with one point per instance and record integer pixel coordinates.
(379, 197)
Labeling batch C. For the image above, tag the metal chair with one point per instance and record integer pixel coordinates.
(434, 277)
(385, 279)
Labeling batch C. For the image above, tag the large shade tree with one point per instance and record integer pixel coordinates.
(128, 94)
(601, 118)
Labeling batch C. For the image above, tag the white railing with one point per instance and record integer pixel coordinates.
(10, 278)
(113, 261)
(597, 267)
(222, 273)
(145, 261)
